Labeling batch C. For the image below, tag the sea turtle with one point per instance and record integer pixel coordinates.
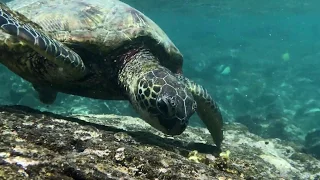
(103, 49)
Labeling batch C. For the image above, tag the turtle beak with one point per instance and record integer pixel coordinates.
(177, 129)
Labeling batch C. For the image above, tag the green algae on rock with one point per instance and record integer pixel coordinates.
(41, 145)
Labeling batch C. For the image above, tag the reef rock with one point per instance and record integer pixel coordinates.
(312, 143)
(41, 145)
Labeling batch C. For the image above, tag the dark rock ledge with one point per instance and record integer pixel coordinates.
(41, 145)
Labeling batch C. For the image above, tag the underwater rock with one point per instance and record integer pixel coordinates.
(307, 117)
(312, 143)
(265, 99)
(42, 145)
(276, 129)
(274, 125)
(252, 123)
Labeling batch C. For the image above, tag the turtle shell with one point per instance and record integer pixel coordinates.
(100, 25)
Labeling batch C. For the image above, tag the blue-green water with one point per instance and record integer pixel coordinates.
(258, 59)
(271, 49)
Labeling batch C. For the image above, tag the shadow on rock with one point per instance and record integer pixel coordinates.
(139, 136)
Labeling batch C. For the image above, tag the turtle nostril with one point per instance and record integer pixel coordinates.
(172, 102)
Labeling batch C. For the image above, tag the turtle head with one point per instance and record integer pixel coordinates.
(164, 102)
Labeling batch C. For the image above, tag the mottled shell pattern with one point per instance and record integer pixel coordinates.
(107, 24)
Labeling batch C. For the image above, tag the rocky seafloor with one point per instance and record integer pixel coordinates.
(42, 145)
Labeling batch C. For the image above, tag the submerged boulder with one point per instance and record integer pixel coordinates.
(312, 143)
(42, 145)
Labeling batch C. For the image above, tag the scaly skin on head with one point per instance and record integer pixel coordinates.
(158, 96)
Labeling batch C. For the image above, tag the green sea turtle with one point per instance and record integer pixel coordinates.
(103, 49)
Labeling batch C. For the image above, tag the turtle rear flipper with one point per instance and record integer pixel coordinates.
(20, 27)
(46, 95)
(207, 110)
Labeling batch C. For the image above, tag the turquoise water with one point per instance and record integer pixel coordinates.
(270, 47)
(259, 60)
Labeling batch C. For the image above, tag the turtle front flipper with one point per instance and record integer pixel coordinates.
(19, 26)
(207, 109)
